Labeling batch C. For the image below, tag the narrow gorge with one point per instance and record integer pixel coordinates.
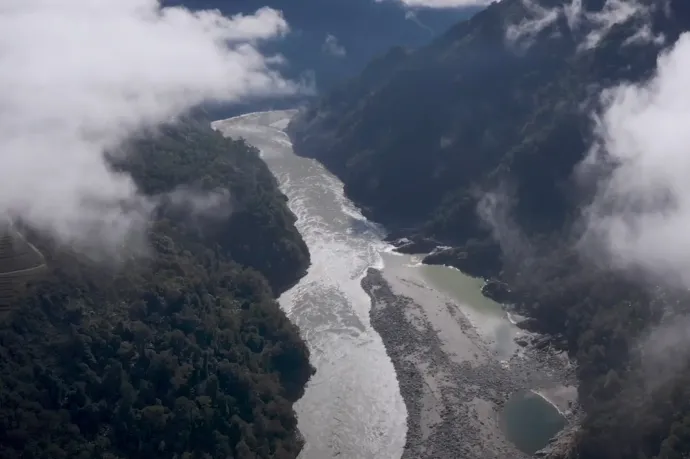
(411, 360)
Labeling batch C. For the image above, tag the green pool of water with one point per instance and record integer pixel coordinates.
(487, 315)
(529, 421)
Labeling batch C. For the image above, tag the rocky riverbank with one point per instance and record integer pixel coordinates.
(452, 382)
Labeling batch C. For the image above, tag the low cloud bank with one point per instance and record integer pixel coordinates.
(495, 209)
(641, 213)
(639, 165)
(443, 3)
(80, 77)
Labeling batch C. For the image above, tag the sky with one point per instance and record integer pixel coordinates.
(79, 77)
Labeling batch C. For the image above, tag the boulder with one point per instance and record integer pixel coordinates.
(498, 291)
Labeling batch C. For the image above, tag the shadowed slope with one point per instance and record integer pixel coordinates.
(19, 262)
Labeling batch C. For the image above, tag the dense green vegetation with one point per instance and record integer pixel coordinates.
(422, 135)
(183, 354)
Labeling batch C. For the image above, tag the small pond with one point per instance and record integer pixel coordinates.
(530, 422)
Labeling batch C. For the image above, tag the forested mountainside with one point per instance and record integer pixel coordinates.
(182, 354)
(472, 142)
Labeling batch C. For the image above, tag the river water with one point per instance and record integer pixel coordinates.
(352, 407)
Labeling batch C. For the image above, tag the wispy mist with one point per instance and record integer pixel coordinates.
(443, 3)
(79, 77)
(214, 204)
(664, 351)
(332, 46)
(615, 12)
(538, 19)
(495, 210)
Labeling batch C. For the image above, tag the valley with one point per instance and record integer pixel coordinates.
(411, 361)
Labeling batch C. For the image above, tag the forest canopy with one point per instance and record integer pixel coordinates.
(182, 354)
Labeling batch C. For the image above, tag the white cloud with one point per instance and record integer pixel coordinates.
(641, 213)
(495, 211)
(410, 15)
(573, 13)
(594, 25)
(443, 3)
(645, 35)
(78, 77)
(664, 351)
(613, 13)
(539, 19)
(332, 46)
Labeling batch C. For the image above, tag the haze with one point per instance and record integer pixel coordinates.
(78, 77)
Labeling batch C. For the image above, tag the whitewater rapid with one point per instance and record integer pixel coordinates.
(352, 407)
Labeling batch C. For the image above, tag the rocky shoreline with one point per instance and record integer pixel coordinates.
(452, 383)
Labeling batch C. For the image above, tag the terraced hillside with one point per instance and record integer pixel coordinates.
(19, 263)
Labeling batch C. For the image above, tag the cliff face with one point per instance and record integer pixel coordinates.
(480, 131)
(183, 353)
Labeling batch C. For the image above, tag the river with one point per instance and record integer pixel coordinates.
(352, 407)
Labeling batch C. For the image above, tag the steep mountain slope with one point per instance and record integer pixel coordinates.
(412, 143)
(472, 142)
(184, 353)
